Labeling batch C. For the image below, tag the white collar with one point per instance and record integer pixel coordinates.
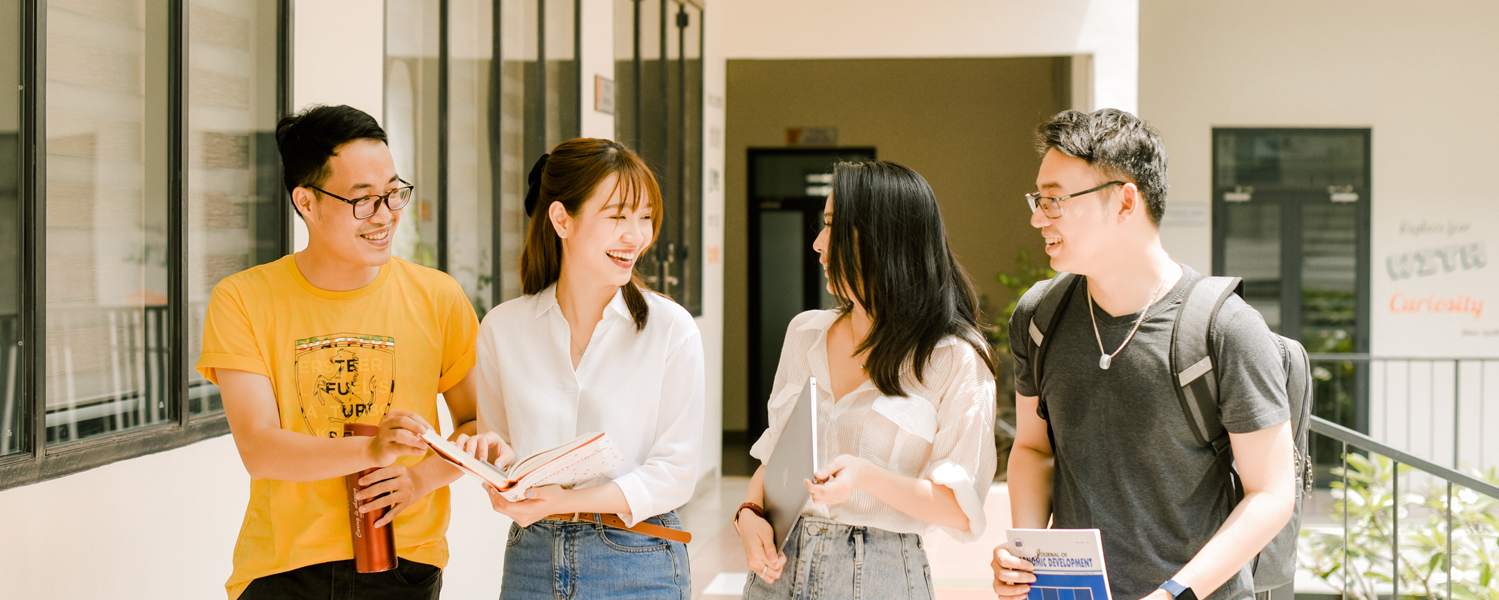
(547, 300)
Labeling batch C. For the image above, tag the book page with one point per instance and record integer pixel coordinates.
(595, 457)
(529, 463)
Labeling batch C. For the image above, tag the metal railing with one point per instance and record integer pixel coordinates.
(1433, 407)
(1353, 443)
(110, 371)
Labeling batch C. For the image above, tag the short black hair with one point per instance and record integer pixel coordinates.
(309, 138)
(1120, 144)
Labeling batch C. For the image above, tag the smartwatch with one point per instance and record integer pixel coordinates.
(1178, 590)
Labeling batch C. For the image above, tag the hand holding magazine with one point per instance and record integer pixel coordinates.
(1069, 562)
(587, 457)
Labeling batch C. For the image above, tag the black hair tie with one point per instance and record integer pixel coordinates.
(533, 184)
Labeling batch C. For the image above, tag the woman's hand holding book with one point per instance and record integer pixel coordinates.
(487, 446)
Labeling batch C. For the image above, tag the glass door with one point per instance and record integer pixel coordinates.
(1291, 217)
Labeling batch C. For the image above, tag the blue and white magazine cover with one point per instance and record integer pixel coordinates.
(1069, 563)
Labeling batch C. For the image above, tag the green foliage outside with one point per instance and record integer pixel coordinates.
(1024, 276)
(1370, 501)
(1021, 279)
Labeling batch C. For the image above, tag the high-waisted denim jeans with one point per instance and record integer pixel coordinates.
(827, 560)
(583, 560)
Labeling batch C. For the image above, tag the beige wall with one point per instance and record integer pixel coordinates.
(10, 63)
(964, 124)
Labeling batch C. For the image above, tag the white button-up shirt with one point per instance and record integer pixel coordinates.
(941, 430)
(645, 389)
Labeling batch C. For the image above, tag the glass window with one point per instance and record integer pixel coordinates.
(658, 74)
(471, 197)
(561, 86)
(108, 138)
(234, 193)
(1291, 216)
(12, 363)
(412, 111)
(518, 27)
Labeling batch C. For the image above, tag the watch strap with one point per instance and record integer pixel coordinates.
(1178, 590)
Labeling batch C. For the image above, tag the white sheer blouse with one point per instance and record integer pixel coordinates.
(645, 389)
(941, 430)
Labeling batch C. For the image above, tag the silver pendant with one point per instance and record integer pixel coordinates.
(1103, 361)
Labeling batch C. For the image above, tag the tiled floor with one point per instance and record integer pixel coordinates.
(959, 571)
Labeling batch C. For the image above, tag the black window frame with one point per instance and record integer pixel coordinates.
(38, 462)
(675, 254)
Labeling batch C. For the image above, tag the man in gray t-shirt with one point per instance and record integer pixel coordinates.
(1126, 461)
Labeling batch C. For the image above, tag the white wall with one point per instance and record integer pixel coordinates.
(1418, 77)
(791, 29)
(711, 323)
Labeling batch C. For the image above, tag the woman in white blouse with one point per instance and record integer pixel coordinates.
(589, 348)
(906, 392)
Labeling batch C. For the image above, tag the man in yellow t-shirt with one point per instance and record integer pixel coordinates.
(340, 333)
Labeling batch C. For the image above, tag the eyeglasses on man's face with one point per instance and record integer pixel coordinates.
(1053, 206)
(366, 206)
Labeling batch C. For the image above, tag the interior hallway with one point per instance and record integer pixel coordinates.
(959, 571)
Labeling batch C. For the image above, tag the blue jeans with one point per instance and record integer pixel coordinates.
(582, 560)
(828, 560)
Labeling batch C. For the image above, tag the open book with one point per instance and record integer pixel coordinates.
(575, 462)
(1069, 563)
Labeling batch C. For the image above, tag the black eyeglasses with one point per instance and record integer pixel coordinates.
(367, 206)
(1053, 206)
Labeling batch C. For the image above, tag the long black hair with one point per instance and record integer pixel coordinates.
(888, 251)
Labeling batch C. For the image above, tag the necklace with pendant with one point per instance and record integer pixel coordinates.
(1106, 359)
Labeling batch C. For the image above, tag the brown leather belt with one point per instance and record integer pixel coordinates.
(651, 529)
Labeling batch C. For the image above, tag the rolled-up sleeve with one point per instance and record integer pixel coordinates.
(667, 477)
(229, 340)
(963, 456)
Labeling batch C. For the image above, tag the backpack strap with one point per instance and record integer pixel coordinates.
(1043, 322)
(1192, 361)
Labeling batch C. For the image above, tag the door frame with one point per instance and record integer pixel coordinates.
(756, 398)
(1291, 247)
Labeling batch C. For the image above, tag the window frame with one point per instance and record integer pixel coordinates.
(38, 462)
(675, 253)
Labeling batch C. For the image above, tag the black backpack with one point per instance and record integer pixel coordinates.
(1191, 364)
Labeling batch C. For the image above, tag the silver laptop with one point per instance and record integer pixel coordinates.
(794, 459)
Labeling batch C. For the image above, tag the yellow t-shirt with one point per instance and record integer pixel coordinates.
(332, 358)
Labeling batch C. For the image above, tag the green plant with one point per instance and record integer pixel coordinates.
(1025, 275)
(1370, 501)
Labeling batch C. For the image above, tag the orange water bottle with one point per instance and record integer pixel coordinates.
(374, 547)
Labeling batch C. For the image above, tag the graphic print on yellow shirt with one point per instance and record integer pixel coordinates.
(344, 378)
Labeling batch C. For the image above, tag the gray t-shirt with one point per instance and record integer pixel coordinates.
(1126, 460)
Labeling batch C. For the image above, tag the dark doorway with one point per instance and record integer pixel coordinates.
(788, 188)
(1291, 215)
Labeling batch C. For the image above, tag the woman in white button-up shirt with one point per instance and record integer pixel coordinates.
(589, 349)
(906, 392)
